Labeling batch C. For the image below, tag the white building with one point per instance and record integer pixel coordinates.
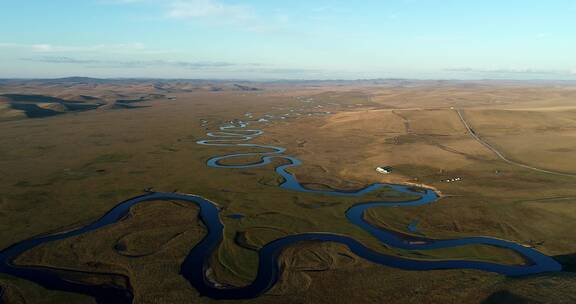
(384, 170)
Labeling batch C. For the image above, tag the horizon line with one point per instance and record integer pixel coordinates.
(289, 79)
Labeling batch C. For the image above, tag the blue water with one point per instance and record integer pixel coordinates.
(234, 134)
(197, 261)
(413, 227)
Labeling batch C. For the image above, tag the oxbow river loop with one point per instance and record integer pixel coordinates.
(195, 265)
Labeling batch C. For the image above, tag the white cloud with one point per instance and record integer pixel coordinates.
(28, 47)
(192, 65)
(42, 47)
(214, 13)
(127, 48)
(205, 67)
(438, 38)
(190, 9)
(209, 9)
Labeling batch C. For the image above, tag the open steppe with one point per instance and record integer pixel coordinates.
(63, 166)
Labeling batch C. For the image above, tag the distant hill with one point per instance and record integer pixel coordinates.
(246, 88)
(36, 106)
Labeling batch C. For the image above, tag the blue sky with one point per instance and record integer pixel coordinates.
(293, 39)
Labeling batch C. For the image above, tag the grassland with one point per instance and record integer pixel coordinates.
(65, 171)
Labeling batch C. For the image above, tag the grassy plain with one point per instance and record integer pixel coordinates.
(65, 171)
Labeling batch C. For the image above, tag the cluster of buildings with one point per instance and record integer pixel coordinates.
(452, 180)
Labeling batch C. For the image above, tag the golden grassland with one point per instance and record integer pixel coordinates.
(63, 172)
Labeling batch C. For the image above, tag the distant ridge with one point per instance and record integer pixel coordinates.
(251, 85)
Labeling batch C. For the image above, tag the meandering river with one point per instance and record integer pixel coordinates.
(194, 267)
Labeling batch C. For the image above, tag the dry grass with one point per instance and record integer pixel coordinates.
(62, 172)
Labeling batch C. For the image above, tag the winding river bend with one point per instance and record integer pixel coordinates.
(236, 134)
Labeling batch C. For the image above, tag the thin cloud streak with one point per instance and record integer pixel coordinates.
(123, 48)
(209, 8)
(215, 13)
(135, 63)
(203, 66)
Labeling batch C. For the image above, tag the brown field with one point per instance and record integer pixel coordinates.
(66, 170)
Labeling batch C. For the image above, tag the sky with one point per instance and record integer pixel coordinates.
(295, 39)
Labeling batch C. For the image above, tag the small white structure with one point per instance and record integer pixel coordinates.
(452, 180)
(384, 170)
